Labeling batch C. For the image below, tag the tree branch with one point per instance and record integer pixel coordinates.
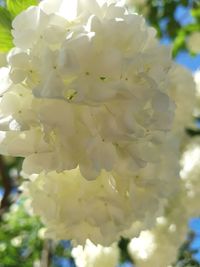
(7, 186)
(46, 254)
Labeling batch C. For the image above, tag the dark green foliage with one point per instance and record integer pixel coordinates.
(161, 14)
(185, 256)
(5, 30)
(124, 255)
(19, 241)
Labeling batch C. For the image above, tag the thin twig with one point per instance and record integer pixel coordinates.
(7, 186)
(46, 254)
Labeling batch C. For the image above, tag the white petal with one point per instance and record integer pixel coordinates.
(5, 81)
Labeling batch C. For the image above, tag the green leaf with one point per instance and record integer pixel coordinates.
(5, 30)
(179, 43)
(185, 2)
(193, 27)
(195, 12)
(5, 18)
(5, 40)
(17, 6)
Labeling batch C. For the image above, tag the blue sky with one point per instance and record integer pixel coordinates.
(193, 63)
(194, 224)
(182, 14)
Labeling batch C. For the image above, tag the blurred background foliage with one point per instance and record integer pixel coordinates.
(22, 240)
(176, 20)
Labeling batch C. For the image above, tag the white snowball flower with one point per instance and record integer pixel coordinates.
(158, 247)
(89, 93)
(96, 256)
(87, 100)
(105, 208)
(93, 99)
(193, 42)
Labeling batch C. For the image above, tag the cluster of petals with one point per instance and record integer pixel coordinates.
(98, 86)
(88, 99)
(158, 246)
(103, 209)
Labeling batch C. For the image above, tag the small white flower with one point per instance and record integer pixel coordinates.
(3, 247)
(16, 241)
(143, 246)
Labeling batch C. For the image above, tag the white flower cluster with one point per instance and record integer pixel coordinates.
(156, 247)
(96, 256)
(101, 210)
(171, 229)
(88, 99)
(159, 246)
(101, 78)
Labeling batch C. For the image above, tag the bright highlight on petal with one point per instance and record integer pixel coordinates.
(68, 9)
